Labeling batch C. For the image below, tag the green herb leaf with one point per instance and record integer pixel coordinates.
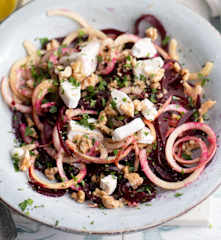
(178, 194)
(28, 131)
(43, 42)
(23, 205)
(166, 41)
(186, 156)
(99, 58)
(102, 85)
(113, 104)
(50, 65)
(92, 103)
(115, 151)
(16, 161)
(53, 109)
(74, 82)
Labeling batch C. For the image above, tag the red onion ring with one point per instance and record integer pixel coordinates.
(180, 159)
(164, 184)
(185, 127)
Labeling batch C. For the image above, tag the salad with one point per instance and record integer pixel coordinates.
(108, 117)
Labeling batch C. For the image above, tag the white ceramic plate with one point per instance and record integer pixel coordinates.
(201, 42)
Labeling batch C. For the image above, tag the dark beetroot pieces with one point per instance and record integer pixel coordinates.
(112, 33)
(18, 118)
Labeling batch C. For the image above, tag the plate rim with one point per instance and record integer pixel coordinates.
(131, 230)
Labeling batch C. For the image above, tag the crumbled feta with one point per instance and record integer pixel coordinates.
(145, 136)
(74, 128)
(108, 184)
(149, 110)
(128, 129)
(88, 56)
(144, 48)
(121, 98)
(18, 152)
(148, 67)
(70, 94)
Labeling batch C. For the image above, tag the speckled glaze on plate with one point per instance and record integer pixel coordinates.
(199, 42)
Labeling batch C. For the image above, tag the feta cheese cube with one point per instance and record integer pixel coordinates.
(128, 129)
(149, 110)
(108, 184)
(144, 48)
(148, 67)
(88, 56)
(18, 152)
(74, 128)
(121, 98)
(145, 136)
(70, 94)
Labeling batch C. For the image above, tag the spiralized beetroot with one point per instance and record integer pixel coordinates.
(17, 119)
(112, 33)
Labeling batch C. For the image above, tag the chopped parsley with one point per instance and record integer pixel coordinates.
(50, 65)
(113, 104)
(153, 98)
(92, 103)
(23, 205)
(99, 58)
(165, 41)
(28, 131)
(74, 82)
(81, 34)
(124, 99)
(186, 156)
(84, 122)
(102, 85)
(43, 42)
(196, 116)
(16, 160)
(178, 194)
(92, 222)
(122, 82)
(142, 77)
(56, 223)
(120, 118)
(115, 152)
(103, 102)
(53, 109)
(190, 102)
(146, 133)
(39, 53)
(203, 79)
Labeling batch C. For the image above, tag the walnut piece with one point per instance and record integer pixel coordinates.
(92, 80)
(50, 173)
(25, 162)
(108, 201)
(134, 179)
(152, 33)
(52, 45)
(127, 109)
(206, 106)
(79, 196)
(137, 105)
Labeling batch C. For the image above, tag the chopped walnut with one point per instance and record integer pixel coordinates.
(104, 129)
(110, 111)
(137, 105)
(102, 119)
(50, 173)
(206, 106)
(185, 74)
(127, 109)
(134, 179)
(92, 80)
(94, 178)
(155, 85)
(141, 84)
(108, 201)
(113, 84)
(193, 92)
(77, 71)
(157, 76)
(25, 162)
(176, 67)
(53, 44)
(30, 83)
(85, 144)
(132, 90)
(152, 33)
(66, 73)
(79, 196)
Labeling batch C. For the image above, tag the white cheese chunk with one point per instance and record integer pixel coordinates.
(108, 184)
(88, 56)
(144, 48)
(18, 152)
(74, 128)
(149, 110)
(70, 94)
(121, 98)
(145, 136)
(148, 67)
(128, 129)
